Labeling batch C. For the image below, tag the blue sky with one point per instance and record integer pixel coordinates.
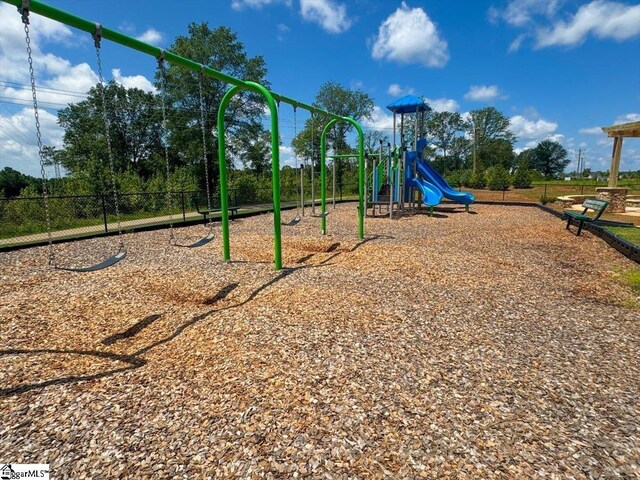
(558, 68)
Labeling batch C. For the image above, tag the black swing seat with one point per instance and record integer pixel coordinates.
(293, 222)
(98, 266)
(199, 243)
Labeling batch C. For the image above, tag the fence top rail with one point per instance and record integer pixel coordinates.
(67, 18)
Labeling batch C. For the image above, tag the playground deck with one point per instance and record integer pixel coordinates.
(481, 345)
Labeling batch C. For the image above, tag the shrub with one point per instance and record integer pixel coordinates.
(477, 180)
(522, 178)
(544, 200)
(498, 178)
(453, 179)
(465, 177)
(244, 190)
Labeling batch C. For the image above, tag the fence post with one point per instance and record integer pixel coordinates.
(545, 190)
(104, 214)
(503, 190)
(184, 216)
(582, 190)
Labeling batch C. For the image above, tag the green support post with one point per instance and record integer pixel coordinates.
(323, 173)
(115, 36)
(275, 169)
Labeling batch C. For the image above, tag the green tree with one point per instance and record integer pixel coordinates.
(485, 126)
(342, 101)
(496, 152)
(12, 182)
(345, 102)
(372, 140)
(255, 153)
(135, 133)
(220, 49)
(549, 158)
(460, 152)
(441, 130)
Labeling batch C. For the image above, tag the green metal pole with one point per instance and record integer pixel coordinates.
(361, 193)
(323, 175)
(53, 13)
(222, 165)
(275, 168)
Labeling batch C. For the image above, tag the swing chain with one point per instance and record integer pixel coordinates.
(204, 136)
(97, 37)
(163, 94)
(45, 194)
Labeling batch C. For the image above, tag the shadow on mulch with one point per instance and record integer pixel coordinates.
(134, 361)
(132, 331)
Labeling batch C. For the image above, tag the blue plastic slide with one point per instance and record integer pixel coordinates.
(431, 196)
(430, 175)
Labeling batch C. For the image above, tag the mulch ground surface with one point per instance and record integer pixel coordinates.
(485, 345)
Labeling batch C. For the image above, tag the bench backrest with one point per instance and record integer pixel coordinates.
(595, 204)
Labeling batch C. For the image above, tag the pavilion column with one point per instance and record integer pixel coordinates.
(615, 161)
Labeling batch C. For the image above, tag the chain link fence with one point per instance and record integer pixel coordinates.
(23, 220)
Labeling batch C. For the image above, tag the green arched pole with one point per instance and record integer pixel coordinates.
(275, 170)
(323, 174)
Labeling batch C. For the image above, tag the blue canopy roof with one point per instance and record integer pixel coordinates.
(409, 104)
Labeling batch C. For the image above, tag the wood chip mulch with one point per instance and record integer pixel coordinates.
(485, 345)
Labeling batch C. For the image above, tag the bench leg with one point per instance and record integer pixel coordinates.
(568, 222)
(580, 228)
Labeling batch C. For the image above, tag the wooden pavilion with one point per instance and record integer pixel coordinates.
(618, 132)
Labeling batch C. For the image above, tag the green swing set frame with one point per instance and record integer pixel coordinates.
(237, 85)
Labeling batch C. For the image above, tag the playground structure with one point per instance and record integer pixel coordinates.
(401, 179)
(98, 32)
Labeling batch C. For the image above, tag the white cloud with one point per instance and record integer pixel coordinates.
(629, 117)
(151, 36)
(443, 104)
(482, 93)
(521, 12)
(591, 130)
(18, 141)
(542, 21)
(255, 4)
(330, 15)
(600, 18)
(397, 91)
(535, 130)
(13, 48)
(515, 45)
(556, 137)
(409, 36)
(282, 31)
(59, 82)
(380, 120)
(287, 156)
(133, 81)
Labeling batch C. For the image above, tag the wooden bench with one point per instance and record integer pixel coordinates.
(598, 206)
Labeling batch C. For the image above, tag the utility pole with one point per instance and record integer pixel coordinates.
(579, 167)
(475, 139)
